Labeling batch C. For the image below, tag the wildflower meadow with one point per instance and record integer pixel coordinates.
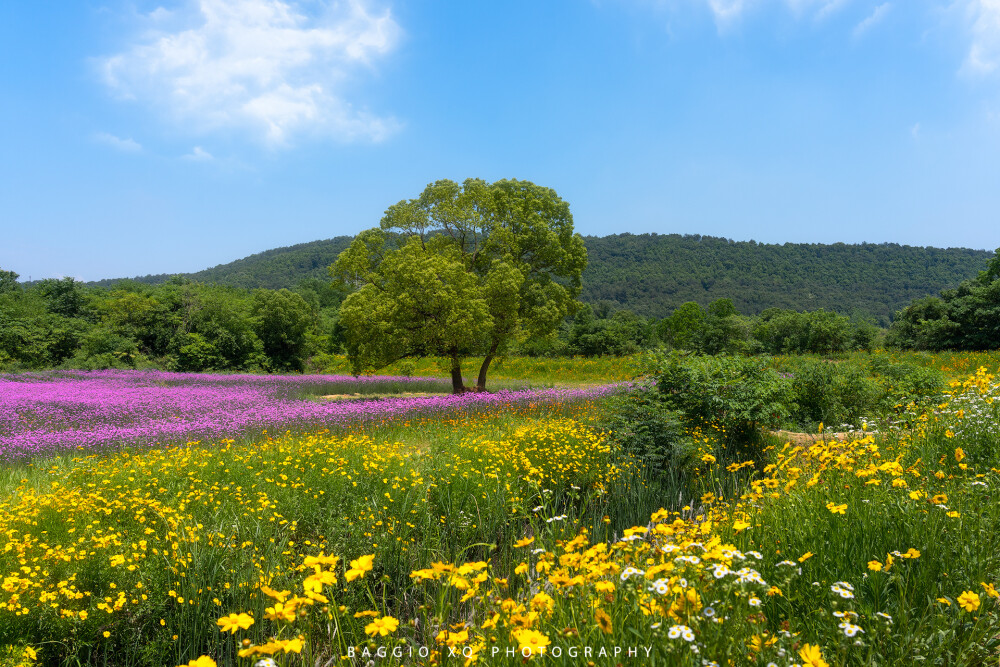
(155, 518)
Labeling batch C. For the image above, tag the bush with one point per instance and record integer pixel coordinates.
(643, 427)
(739, 396)
(833, 393)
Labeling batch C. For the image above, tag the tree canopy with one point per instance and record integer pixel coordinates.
(461, 270)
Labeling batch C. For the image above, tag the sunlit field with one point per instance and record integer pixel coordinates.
(155, 519)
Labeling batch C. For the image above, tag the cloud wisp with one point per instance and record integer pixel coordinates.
(984, 53)
(127, 145)
(872, 20)
(263, 67)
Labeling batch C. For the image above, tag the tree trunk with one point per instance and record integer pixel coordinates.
(481, 382)
(457, 383)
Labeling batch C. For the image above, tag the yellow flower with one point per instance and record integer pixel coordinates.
(603, 620)
(604, 587)
(812, 657)
(944, 601)
(542, 601)
(708, 458)
(234, 622)
(969, 601)
(739, 525)
(806, 556)
(959, 454)
(280, 596)
(990, 590)
(280, 612)
(911, 553)
(940, 499)
(836, 509)
(106, 634)
(875, 565)
(531, 642)
(953, 514)
(203, 661)
(358, 567)
(292, 646)
(382, 626)
(523, 543)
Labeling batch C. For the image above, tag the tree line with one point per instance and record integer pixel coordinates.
(653, 274)
(178, 325)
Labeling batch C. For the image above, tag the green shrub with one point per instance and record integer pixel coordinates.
(833, 393)
(643, 427)
(739, 396)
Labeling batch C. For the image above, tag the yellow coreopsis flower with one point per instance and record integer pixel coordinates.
(959, 454)
(739, 525)
(535, 642)
(359, 567)
(603, 621)
(234, 622)
(969, 601)
(382, 626)
(836, 509)
(203, 661)
(875, 565)
(812, 656)
(806, 556)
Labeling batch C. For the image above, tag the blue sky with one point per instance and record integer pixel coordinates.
(168, 136)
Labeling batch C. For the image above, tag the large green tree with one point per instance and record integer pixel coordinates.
(461, 270)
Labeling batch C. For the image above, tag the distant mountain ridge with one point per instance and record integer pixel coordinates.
(652, 274)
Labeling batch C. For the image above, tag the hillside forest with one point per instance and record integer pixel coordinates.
(189, 325)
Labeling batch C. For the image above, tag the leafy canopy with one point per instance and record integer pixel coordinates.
(461, 270)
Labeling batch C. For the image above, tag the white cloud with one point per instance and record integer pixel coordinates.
(829, 8)
(915, 130)
(261, 66)
(727, 11)
(820, 9)
(126, 145)
(872, 20)
(199, 154)
(984, 53)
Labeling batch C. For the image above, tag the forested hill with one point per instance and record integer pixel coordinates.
(272, 269)
(652, 274)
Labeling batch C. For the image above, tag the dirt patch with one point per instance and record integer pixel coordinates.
(797, 438)
(355, 397)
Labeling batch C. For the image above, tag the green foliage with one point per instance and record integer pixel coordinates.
(847, 393)
(622, 334)
(739, 396)
(63, 297)
(462, 269)
(683, 326)
(642, 426)
(282, 321)
(179, 325)
(965, 318)
(834, 394)
(8, 282)
(652, 275)
(818, 332)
